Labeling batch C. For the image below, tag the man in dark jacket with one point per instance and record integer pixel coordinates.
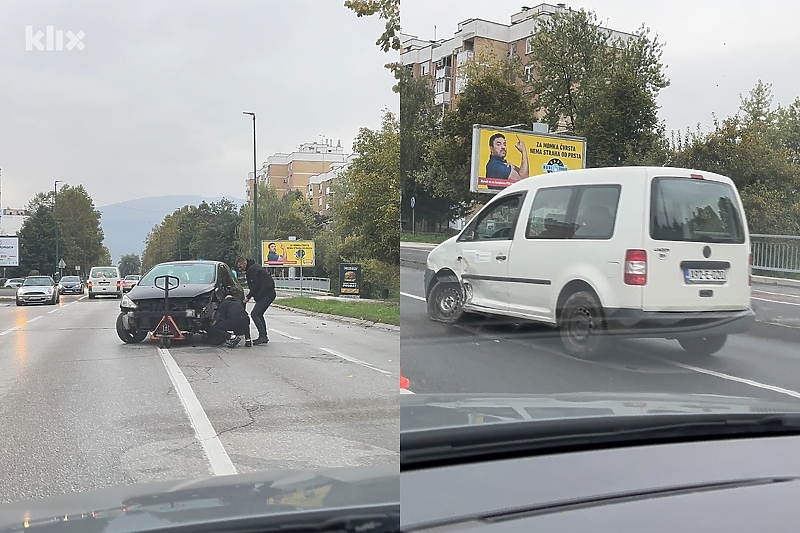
(262, 290)
(232, 317)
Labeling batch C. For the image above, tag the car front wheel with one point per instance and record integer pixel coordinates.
(129, 337)
(582, 327)
(446, 302)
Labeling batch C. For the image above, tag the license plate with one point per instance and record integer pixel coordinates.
(703, 275)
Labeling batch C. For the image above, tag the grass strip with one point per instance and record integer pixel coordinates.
(385, 313)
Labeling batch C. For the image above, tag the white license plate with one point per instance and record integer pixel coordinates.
(704, 275)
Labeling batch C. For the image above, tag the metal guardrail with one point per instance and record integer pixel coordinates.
(308, 284)
(776, 253)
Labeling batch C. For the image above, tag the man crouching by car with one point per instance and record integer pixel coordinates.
(262, 289)
(231, 321)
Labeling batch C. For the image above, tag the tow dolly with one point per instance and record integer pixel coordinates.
(167, 329)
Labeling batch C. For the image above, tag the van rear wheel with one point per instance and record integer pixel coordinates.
(446, 302)
(703, 346)
(581, 326)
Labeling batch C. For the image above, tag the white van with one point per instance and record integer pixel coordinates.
(631, 251)
(104, 280)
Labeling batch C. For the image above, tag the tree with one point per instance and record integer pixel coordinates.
(130, 264)
(419, 124)
(603, 88)
(271, 208)
(366, 204)
(488, 99)
(388, 10)
(298, 221)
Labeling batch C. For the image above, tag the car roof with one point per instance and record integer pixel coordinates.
(194, 262)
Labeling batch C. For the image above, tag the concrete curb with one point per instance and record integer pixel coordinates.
(781, 282)
(769, 330)
(346, 319)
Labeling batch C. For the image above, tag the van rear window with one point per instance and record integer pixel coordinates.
(693, 210)
(104, 272)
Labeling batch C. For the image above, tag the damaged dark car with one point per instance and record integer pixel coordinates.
(192, 301)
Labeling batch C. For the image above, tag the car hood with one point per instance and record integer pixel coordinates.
(182, 503)
(437, 411)
(23, 289)
(146, 292)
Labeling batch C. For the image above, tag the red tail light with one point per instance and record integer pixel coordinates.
(750, 269)
(635, 267)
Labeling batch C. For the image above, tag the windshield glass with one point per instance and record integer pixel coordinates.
(104, 272)
(189, 274)
(70, 279)
(694, 210)
(38, 281)
(131, 278)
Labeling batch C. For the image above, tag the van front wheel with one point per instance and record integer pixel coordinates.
(581, 325)
(446, 302)
(703, 346)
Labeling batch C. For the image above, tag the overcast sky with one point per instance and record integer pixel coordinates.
(714, 50)
(152, 105)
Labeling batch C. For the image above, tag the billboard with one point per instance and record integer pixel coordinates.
(288, 253)
(9, 251)
(502, 156)
(349, 279)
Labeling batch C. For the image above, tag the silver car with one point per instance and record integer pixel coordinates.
(38, 290)
(14, 283)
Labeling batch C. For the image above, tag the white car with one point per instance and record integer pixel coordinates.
(634, 251)
(38, 289)
(14, 283)
(104, 281)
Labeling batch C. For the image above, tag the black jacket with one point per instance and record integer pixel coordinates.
(231, 309)
(259, 281)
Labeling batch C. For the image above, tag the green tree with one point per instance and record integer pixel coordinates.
(130, 264)
(366, 205)
(488, 99)
(37, 240)
(388, 10)
(298, 221)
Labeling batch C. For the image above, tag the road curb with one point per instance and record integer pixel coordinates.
(768, 330)
(781, 282)
(346, 319)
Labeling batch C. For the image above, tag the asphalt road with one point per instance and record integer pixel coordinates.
(80, 410)
(496, 356)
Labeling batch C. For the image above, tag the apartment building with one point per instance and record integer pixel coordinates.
(320, 187)
(11, 220)
(294, 170)
(444, 59)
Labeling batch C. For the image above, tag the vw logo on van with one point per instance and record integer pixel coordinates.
(554, 165)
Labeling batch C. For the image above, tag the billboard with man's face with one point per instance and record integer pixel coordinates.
(288, 253)
(502, 156)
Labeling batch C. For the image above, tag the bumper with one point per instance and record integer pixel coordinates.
(105, 289)
(35, 298)
(428, 276)
(670, 325)
(187, 321)
(72, 290)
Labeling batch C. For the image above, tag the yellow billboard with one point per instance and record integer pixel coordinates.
(287, 253)
(502, 156)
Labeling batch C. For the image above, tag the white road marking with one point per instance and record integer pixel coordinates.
(279, 332)
(6, 332)
(356, 361)
(776, 293)
(54, 311)
(773, 388)
(219, 461)
(408, 295)
(405, 391)
(34, 319)
(773, 301)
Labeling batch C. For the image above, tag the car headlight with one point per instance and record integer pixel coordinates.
(128, 303)
(49, 290)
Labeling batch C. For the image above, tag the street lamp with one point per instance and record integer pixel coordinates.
(55, 216)
(256, 248)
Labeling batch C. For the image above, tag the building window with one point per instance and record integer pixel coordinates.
(529, 72)
(425, 68)
(529, 45)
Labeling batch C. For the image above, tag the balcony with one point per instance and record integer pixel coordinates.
(444, 72)
(464, 56)
(441, 98)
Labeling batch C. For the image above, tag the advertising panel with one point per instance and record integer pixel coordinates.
(349, 279)
(502, 156)
(288, 253)
(9, 251)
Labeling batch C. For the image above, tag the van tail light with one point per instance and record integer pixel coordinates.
(119, 283)
(750, 269)
(635, 267)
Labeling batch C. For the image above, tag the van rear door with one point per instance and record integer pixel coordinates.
(697, 246)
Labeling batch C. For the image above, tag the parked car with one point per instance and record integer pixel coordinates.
(635, 251)
(13, 283)
(193, 299)
(104, 281)
(70, 285)
(38, 289)
(130, 282)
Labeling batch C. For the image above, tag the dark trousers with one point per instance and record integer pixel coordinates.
(261, 306)
(238, 327)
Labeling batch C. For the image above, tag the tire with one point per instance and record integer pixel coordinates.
(20, 304)
(703, 346)
(445, 302)
(215, 338)
(582, 326)
(129, 337)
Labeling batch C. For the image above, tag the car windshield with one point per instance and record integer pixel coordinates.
(131, 278)
(37, 281)
(188, 273)
(70, 279)
(104, 273)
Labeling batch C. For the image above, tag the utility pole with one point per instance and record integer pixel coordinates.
(256, 247)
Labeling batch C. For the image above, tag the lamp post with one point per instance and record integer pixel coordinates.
(256, 248)
(55, 216)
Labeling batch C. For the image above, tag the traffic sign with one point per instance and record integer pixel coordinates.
(413, 202)
(61, 264)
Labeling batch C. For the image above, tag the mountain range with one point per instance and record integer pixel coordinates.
(126, 224)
